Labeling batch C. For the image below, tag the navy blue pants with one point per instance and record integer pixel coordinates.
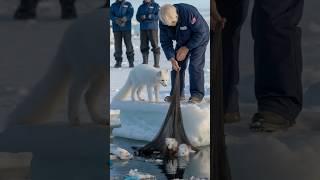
(277, 54)
(196, 73)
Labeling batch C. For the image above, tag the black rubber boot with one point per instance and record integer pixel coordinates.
(68, 9)
(131, 60)
(145, 57)
(26, 10)
(118, 63)
(156, 60)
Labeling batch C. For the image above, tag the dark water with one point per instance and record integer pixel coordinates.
(198, 165)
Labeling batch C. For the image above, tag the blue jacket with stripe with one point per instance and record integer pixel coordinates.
(120, 9)
(150, 11)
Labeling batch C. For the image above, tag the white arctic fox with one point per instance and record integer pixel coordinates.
(140, 76)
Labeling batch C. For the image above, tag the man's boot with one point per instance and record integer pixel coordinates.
(26, 10)
(156, 60)
(145, 57)
(68, 9)
(118, 63)
(131, 60)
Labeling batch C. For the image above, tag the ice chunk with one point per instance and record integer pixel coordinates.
(135, 174)
(120, 152)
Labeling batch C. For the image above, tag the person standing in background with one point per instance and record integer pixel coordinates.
(27, 9)
(148, 17)
(121, 14)
(277, 60)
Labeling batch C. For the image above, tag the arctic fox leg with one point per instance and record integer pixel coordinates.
(149, 89)
(139, 93)
(156, 92)
(96, 92)
(76, 91)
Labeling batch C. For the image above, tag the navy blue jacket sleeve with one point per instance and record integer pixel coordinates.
(130, 12)
(139, 14)
(112, 15)
(199, 31)
(155, 15)
(166, 42)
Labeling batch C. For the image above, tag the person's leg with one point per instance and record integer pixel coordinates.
(129, 46)
(196, 73)
(153, 36)
(144, 45)
(278, 57)
(26, 9)
(118, 48)
(68, 9)
(235, 12)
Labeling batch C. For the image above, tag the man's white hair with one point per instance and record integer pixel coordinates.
(168, 15)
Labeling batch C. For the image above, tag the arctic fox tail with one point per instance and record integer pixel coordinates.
(124, 91)
(43, 98)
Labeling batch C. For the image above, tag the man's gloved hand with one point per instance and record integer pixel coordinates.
(175, 64)
(124, 20)
(118, 21)
(149, 16)
(143, 17)
(182, 53)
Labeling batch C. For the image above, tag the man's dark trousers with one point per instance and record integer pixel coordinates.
(235, 11)
(196, 74)
(126, 36)
(277, 54)
(151, 36)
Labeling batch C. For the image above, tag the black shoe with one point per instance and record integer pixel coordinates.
(24, 14)
(232, 117)
(169, 98)
(195, 100)
(269, 122)
(117, 65)
(69, 13)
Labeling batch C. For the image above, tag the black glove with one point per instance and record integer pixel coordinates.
(143, 17)
(124, 20)
(118, 21)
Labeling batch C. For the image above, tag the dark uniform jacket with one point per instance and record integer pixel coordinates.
(191, 31)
